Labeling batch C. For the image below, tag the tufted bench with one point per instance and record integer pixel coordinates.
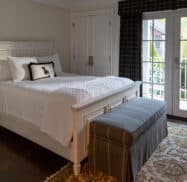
(123, 140)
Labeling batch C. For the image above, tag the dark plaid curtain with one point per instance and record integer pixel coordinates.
(131, 12)
(130, 46)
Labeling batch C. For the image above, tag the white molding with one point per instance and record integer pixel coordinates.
(157, 14)
(91, 13)
(76, 5)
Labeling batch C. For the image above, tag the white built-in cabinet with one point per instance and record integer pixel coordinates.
(91, 42)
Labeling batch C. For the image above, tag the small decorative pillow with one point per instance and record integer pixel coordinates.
(55, 59)
(41, 70)
(19, 67)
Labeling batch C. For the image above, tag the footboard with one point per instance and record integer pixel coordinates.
(83, 114)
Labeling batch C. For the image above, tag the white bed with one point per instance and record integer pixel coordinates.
(55, 112)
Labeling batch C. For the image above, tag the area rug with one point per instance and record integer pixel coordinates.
(167, 164)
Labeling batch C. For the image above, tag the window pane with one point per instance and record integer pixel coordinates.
(147, 29)
(153, 58)
(147, 90)
(183, 76)
(183, 99)
(158, 51)
(184, 28)
(183, 105)
(159, 29)
(147, 51)
(183, 51)
(147, 72)
(159, 73)
(183, 64)
(158, 92)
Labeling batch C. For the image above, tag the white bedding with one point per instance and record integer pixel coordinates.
(47, 103)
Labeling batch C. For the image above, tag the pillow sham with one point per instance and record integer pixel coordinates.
(4, 71)
(19, 67)
(55, 59)
(41, 70)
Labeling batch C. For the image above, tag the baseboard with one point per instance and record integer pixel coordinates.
(176, 117)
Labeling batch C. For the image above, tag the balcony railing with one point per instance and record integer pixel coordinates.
(183, 79)
(158, 77)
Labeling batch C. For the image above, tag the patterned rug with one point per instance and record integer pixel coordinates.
(167, 164)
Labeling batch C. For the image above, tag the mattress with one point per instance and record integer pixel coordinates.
(47, 103)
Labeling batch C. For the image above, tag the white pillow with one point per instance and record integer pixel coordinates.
(55, 59)
(4, 71)
(19, 67)
(41, 70)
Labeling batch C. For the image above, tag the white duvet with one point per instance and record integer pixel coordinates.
(47, 103)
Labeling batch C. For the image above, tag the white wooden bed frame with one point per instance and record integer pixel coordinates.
(83, 114)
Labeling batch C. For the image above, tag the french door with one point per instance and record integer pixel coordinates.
(180, 65)
(164, 59)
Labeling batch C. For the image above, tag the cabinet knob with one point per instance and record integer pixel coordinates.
(90, 61)
(177, 61)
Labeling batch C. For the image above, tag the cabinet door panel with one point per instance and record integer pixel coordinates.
(80, 43)
(101, 44)
(91, 44)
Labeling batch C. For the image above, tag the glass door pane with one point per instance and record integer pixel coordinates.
(183, 65)
(153, 58)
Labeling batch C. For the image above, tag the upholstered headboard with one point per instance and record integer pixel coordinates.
(26, 48)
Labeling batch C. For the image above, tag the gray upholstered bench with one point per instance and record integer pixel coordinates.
(123, 140)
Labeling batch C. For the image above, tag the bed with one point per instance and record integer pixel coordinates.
(55, 113)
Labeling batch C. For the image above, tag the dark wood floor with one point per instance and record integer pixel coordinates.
(24, 161)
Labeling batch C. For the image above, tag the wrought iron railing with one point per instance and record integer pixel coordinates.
(158, 77)
(183, 79)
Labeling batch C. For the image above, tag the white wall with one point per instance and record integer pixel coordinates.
(26, 20)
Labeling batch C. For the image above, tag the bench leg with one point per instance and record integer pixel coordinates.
(76, 168)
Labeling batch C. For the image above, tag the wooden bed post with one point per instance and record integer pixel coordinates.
(76, 162)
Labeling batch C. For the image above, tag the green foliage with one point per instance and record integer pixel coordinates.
(153, 51)
(184, 36)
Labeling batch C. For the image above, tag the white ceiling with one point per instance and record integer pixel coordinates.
(78, 4)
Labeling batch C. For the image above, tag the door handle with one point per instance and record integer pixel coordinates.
(177, 62)
(90, 61)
